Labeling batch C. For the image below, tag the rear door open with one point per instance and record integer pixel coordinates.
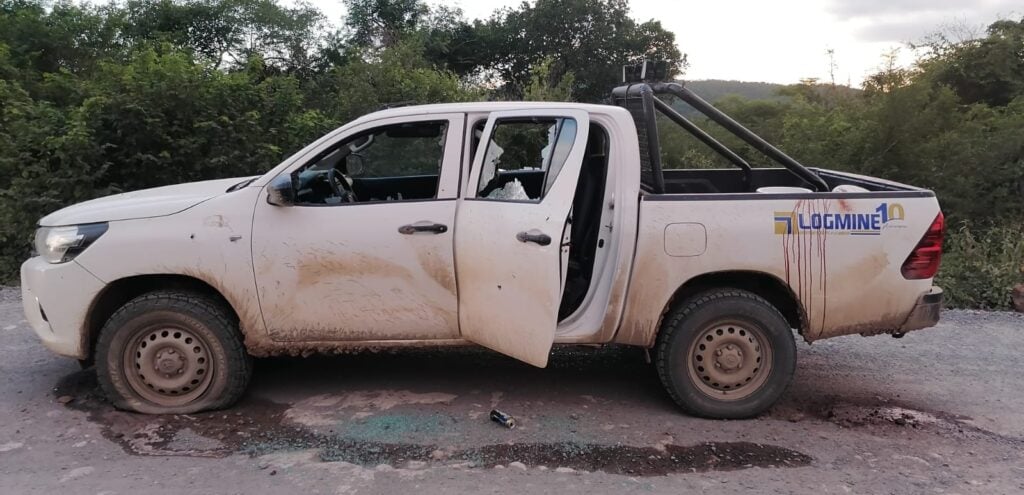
(509, 227)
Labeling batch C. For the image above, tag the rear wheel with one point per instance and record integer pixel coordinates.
(726, 354)
(172, 353)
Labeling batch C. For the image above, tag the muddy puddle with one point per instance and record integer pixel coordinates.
(644, 461)
(257, 427)
(882, 416)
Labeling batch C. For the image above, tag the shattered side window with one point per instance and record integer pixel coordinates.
(523, 158)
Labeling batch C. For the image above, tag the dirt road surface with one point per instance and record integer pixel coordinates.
(940, 411)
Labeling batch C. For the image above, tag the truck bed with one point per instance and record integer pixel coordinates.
(838, 255)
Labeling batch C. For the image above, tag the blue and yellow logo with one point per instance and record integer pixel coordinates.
(792, 222)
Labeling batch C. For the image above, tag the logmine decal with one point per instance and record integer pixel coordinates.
(886, 215)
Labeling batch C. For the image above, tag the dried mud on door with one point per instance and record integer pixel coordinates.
(507, 265)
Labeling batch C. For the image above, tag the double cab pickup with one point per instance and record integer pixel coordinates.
(515, 226)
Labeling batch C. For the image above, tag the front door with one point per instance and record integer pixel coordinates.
(510, 226)
(366, 253)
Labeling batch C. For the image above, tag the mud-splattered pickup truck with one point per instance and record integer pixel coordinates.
(515, 226)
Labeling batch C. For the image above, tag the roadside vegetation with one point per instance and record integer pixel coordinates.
(105, 98)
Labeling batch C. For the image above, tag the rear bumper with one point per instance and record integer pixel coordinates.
(925, 313)
(56, 299)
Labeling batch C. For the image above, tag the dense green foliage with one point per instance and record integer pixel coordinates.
(715, 89)
(978, 268)
(98, 99)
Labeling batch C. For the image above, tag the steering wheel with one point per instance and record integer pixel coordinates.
(340, 187)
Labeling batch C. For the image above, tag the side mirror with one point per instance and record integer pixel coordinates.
(281, 191)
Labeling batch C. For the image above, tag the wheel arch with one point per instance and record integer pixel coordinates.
(765, 285)
(117, 293)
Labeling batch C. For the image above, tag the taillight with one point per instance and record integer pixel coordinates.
(923, 262)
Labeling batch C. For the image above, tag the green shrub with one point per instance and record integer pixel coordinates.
(979, 269)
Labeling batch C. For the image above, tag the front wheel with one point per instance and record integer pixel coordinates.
(725, 354)
(172, 352)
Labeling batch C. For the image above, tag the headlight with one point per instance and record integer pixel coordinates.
(62, 244)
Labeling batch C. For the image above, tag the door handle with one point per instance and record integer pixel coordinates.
(434, 228)
(534, 237)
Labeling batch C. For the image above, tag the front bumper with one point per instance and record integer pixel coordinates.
(56, 299)
(925, 313)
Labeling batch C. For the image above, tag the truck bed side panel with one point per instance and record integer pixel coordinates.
(840, 254)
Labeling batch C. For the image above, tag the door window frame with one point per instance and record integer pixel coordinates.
(451, 164)
(473, 176)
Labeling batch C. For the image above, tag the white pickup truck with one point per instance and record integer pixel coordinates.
(515, 226)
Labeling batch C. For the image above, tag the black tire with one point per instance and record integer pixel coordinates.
(735, 333)
(186, 355)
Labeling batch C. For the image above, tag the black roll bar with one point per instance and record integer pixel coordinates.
(704, 137)
(738, 130)
(653, 141)
(648, 135)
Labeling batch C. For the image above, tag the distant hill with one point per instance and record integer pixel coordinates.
(714, 89)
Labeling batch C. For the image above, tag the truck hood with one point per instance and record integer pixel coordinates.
(147, 203)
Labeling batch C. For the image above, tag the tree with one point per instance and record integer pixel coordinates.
(548, 84)
(398, 74)
(890, 75)
(590, 39)
(231, 31)
(987, 70)
(383, 23)
(64, 37)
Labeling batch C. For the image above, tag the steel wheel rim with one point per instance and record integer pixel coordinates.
(168, 366)
(730, 360)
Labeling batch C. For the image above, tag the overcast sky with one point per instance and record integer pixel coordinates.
(785, 40)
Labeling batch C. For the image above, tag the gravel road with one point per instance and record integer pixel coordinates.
(939, 411)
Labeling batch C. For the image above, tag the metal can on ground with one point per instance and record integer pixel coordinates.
(503, 419)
